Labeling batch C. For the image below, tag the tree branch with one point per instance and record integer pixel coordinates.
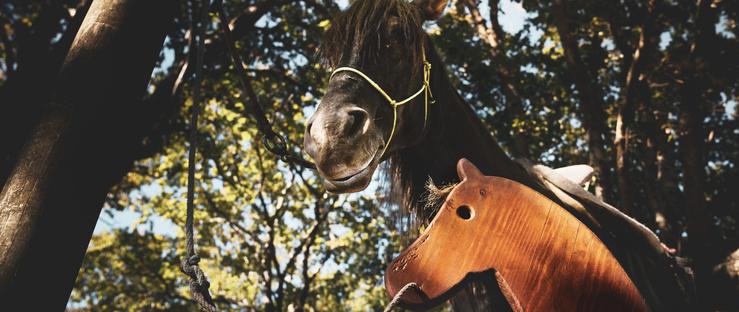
(692, 140)
(593, 108)
(507, 72)
(635, 89)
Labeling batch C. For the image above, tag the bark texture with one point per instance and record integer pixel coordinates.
(636, 90)
(80, 147)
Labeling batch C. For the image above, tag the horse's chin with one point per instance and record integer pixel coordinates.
(353, 183)
(352, 177)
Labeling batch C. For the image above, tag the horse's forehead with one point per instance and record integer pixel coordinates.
(464, 192)
(472, 188)
(470, 192)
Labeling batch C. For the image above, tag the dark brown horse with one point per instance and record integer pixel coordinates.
(348, 131)
(346, 136)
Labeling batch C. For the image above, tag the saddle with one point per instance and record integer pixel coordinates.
(665, 281)
(589, 257)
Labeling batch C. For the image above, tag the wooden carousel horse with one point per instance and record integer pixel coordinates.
(543, 258)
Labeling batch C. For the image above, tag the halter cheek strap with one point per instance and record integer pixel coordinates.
(425, 89)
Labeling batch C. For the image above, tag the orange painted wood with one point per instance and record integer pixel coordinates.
(549, 259)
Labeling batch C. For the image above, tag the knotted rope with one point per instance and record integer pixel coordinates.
(198, 284)
(190, 264)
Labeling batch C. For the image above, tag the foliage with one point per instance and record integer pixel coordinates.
(273, 239)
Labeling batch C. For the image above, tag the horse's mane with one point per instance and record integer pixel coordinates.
(412, 186)
(358, 33)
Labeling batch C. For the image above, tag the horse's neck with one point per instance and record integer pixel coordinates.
(455, 132)
(459, 135)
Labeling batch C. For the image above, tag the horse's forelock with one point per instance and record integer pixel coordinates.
(358, 31)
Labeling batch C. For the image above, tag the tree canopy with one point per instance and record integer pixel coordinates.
(644, 91)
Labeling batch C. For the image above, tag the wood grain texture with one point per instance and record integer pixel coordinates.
(549, 259)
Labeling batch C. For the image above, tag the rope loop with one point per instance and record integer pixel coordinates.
(276, 145)
(194, 260)
(395, 302)
(198, 283)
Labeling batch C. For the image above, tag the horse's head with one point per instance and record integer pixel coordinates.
(377, 47)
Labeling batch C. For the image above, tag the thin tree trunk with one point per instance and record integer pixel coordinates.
(594, 118)
(655, 201)
(635, 90)
(507, 72)
(692, 141)
(81, 146)
(692, 154)
(661, 203)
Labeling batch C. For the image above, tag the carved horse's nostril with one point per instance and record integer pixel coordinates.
(355, 122)
(464, 212)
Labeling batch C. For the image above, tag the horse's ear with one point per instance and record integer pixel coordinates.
(431, 9)
(465, 169)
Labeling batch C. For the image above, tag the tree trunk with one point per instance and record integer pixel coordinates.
(692, 139)
(507, 73)
(38, 64)
(81, 146)
(659, 202)
(594, 118)
(692, 154)
(636, 89)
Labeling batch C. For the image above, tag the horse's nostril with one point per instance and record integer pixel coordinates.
(355, 122)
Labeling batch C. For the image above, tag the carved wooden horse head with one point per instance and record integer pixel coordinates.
(543, 258)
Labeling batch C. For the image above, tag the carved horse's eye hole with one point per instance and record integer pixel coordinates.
(464, 212)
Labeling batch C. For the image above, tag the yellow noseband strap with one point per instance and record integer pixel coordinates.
(425, 89)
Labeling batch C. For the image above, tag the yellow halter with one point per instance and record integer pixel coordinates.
(425, 89)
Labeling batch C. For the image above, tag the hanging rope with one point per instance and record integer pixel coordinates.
(190, 264)
(274, 142)
(396, 299)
